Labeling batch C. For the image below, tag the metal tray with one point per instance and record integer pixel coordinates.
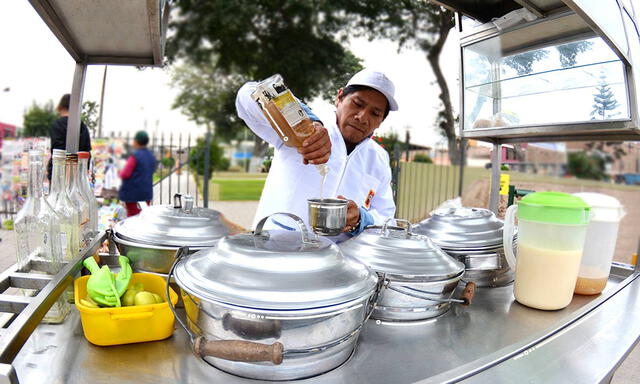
(493, 340)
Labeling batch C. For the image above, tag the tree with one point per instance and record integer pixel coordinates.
(38, 119)
(604, 101)
(586, 166)
(413, 23)
(523, 62)
(207, 96)
(216, 157)
(237, 40)
(422, 158)
(90, 115)
(569, 52)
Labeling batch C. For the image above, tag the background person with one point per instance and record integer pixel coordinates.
(137, 175)
(59, 131)
(359, 167)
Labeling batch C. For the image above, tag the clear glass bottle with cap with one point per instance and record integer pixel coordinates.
(38, 234)
(62, 205)
(87, 192)
(76, 197)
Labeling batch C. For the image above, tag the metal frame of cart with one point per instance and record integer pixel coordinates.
(496, 341)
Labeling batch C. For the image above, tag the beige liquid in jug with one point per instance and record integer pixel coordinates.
(546, 278)
(591, 281)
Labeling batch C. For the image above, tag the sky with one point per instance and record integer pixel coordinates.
(36, 68)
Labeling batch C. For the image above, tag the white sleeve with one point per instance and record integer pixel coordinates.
(250, 112)
(382, 205)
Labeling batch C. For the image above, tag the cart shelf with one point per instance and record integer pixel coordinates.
(495, 339)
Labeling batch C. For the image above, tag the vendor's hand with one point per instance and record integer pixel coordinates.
(353, 215)
(317, 147)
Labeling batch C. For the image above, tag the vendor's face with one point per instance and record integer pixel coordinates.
(359, 113)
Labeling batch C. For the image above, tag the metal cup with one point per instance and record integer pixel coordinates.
(327, 216)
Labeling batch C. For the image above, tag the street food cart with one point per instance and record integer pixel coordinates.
(493, 340)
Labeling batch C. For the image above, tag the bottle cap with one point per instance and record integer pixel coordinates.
(83, 155)
(58, 154)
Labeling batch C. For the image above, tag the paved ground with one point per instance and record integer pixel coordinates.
(242, 213)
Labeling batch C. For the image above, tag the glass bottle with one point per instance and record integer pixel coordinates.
(36, 220)
(87, 192)
(61, 204)
(286, 116)
(283, 111)
(38, 234)
(76, 197)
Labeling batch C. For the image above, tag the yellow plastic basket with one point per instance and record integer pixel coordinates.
(124, 325)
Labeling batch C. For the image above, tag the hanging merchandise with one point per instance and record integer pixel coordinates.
(67, 213)
(38, 234)
(87, 192)
(77, 199)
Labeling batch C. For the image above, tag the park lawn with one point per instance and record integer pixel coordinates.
(238, 189)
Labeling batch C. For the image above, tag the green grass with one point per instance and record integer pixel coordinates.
(245, 189)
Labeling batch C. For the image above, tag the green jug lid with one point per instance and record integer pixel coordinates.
(553, 207)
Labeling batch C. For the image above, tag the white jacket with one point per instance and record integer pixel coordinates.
(290, 183)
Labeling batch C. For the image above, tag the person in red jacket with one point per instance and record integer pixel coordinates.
(137, 175)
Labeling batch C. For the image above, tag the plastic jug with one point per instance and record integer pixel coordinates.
(600, 242)
(551, 233)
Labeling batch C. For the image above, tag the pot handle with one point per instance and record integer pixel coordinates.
(407, 230)
(180, 253)
(239, 350)
(507, 236)
(299, 222)
(465, 298)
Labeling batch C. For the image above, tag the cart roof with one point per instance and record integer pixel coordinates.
(126, 32)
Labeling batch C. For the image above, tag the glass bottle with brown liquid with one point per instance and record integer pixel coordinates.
(283, 111)
(286, 116)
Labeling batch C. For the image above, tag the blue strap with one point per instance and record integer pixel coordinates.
(279, 224)
(365, 220)
(309, 112)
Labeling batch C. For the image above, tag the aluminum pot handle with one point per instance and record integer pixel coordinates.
(239, 350)
(465, 299)
(407, 229)
(299, 222)
(180, 253)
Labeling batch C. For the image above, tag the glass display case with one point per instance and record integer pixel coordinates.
(578, 81)
(563, 76)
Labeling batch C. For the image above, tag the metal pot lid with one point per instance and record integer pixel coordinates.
(276, 270)
(399, 252)
(469, 228)
(175, 225)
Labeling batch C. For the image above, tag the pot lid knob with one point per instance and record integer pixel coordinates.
(188, 204)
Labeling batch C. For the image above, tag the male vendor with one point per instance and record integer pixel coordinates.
(358, 167)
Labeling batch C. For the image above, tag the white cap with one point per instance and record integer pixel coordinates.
(378, 81)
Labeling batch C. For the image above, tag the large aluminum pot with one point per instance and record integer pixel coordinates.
(474, 237)
(419, 277)
(274, 305)
(150, 239)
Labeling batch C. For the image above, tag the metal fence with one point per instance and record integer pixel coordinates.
(173, 174)
(422, 187)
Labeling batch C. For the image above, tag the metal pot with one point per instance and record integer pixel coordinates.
(419, 277)
(274, 305)
(150, 240)
(474, 237)
(327, 216)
